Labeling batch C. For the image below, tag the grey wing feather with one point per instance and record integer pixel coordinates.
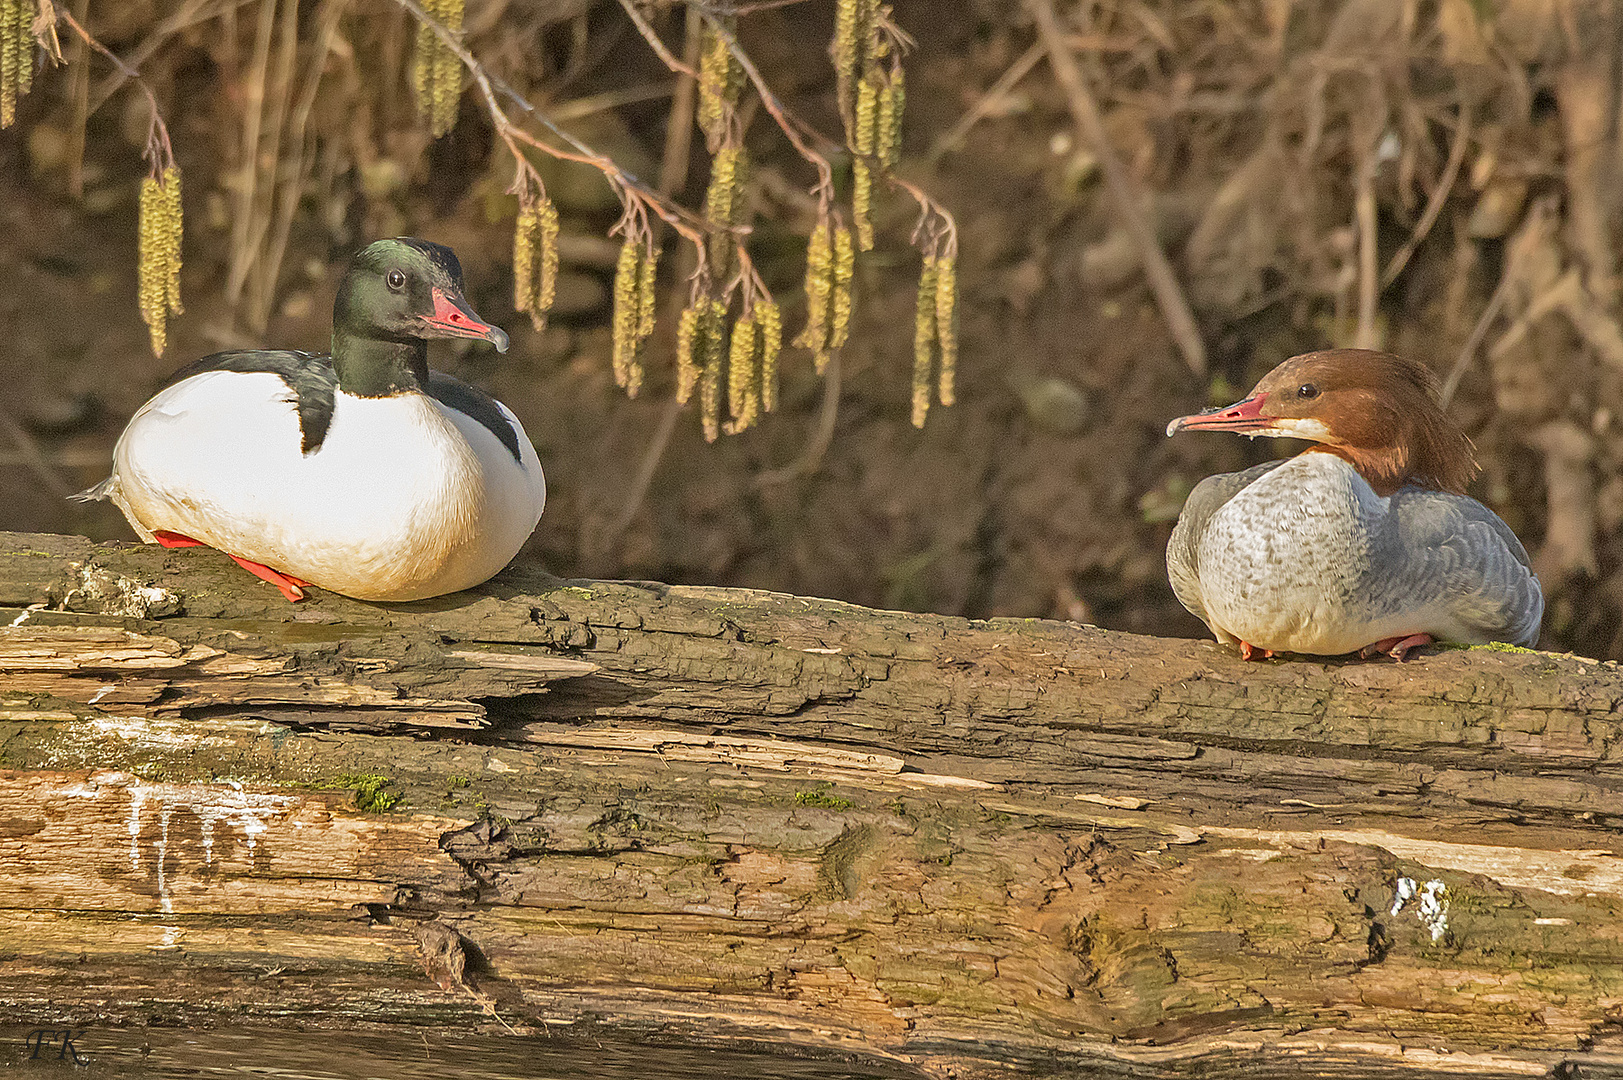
(1457, 555)
(1183, 548)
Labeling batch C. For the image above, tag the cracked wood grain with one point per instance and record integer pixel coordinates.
(973, 846)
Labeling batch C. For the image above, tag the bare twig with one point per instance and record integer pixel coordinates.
(1496, 302)
(253, 118)
(295, 171)
(812, 456)
(79, 94)
(988, 101)
(158, 149)
(261, 269)
(188, 14)
(1365, 336)
(575, 109)
(641, 198)
(649, 34)
(651, 458)
(673, 168)
(1434, 205)
(791, 126)
(672, 171)
(32, 456)
(1168, 293)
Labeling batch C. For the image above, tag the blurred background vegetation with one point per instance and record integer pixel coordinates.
(1434, 177)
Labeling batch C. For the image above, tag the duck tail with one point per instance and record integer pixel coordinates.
(93, 494)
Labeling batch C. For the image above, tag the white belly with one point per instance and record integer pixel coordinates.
(1283, 562)
(404, 499)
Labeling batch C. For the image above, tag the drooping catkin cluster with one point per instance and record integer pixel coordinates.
(159, 273)
(770, 320)
(830, 267)
(16, 56)
(535, 260)
(743, 390)
(853, 25)
(701, 350)
(436, 71)
(721, 78)
(633, 320)
(726, 206)
(726, 202)
(871, 97)
(752, 365)
(935, 333)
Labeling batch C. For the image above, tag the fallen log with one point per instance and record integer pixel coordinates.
(730, 816)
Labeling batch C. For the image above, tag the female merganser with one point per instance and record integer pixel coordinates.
(361, 471)
(1365, 542)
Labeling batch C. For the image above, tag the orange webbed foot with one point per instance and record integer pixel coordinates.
(291, 587)
(1395, 647)
(1249, 651)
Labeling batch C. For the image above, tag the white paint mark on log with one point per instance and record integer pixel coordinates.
(146, 733)
(137, 798)
(249, 812)
(166, 903)
(1552, 922)
(1433, 909)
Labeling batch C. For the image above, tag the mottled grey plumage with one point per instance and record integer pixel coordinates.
(1183, 558)
(1303, 556)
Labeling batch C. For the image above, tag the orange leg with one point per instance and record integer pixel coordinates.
(1396, 647)
(1249, 651)
(175, 540)
(292, 587)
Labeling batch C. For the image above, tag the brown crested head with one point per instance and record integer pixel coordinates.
(1377, 411)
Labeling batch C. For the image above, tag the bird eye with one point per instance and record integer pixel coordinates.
(1307, 390)
(396, 280)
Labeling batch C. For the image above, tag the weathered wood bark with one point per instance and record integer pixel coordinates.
(722, 814)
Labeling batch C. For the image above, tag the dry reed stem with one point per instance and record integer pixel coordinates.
(1168, 293)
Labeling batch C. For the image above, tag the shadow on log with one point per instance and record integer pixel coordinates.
(732, 816)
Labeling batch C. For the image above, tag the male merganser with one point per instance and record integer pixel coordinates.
(360, 471)
(1365, 542)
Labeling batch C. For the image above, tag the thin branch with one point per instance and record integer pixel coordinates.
(645, 473)
(1364, 212)
(983, 106)
(491, 88)
(1439, 196)
(1168, 293)
(1462, 363)
(673, 171)
(188, 14)
(790, 126)
(812, 457)
(158, 149)
(655, 42)
(33, 456)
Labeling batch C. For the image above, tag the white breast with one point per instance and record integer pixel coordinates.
(404, 498)
(1283, 562)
